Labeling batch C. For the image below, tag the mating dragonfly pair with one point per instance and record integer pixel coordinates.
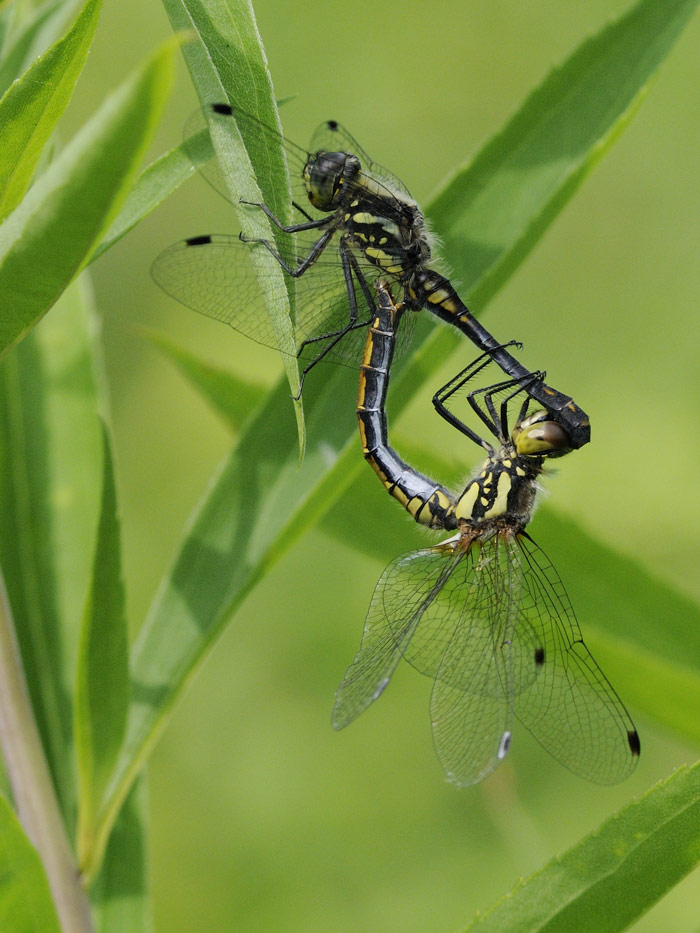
(484, 614)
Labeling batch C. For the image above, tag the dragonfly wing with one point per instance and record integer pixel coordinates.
(406, 589)
(473, 695)
(214, 275)
(570, 707)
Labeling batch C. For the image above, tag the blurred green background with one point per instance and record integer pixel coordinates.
(263, 817)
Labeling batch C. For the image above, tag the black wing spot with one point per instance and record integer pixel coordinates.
(198, 240)
(224, 109)
(332, 125)
(634, 743)
(539, 657)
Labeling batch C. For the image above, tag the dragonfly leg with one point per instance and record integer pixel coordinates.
(305, 263)
(334, 338)
(290, 228)
(455, 385)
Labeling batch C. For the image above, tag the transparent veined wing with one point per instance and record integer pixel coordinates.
(213, 275)
(408, 586)
(488, 660)
(571, 708)
(452, 613)
(490, 622)
(332, 136)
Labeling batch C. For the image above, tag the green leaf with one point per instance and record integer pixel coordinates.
(616, 874)
(160, 179)
(80, 192)
(102, 681)
(260, 503)
(32, 106)
(25, 43)
(156, 183)
(233, 398)
(120, 894)
(25, 899)
(228, 63)
(49, 495)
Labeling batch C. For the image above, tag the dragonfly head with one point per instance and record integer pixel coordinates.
(539, 436)
(327, 176)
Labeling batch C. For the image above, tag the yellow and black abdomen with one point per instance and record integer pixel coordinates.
(428, 502)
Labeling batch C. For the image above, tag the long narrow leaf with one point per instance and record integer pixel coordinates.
(120, 895)
(615, 875)
(49, 494)
(228, 63)
(554, 140)
(160, 179)
(25, 899)
(102, 682)
(232, 397)
(26, 38)
(32, 106)
(80, 192)
(258, 505)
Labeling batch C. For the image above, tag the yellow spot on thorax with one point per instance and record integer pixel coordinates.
(465, 506)
(500, 505)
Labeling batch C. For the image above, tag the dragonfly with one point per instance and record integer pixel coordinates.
(355, 223)
(484, 613)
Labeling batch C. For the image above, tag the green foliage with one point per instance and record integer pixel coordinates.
(102, 687)
(228, 63)
(643, 851)
(32, 106)
(554, 140)
(81, 192)
(60, 547)
(233, 398)
(25, 899)
(49, 446)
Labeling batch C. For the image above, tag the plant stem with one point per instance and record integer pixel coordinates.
(30, 779)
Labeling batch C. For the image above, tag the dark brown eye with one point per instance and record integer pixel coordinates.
(538, 436)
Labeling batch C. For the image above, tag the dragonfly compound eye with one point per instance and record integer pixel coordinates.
(325, 176)
(537, 436)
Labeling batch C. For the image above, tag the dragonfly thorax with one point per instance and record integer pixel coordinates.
(504, 490)
(390, 233)
(328, 177)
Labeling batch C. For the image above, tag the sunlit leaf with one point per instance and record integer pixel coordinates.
(32, 106)
(614, 875)
(102, 679)
(80, 191)
(160, 179)
(228, 64)
(25, 899)
(49, 495)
